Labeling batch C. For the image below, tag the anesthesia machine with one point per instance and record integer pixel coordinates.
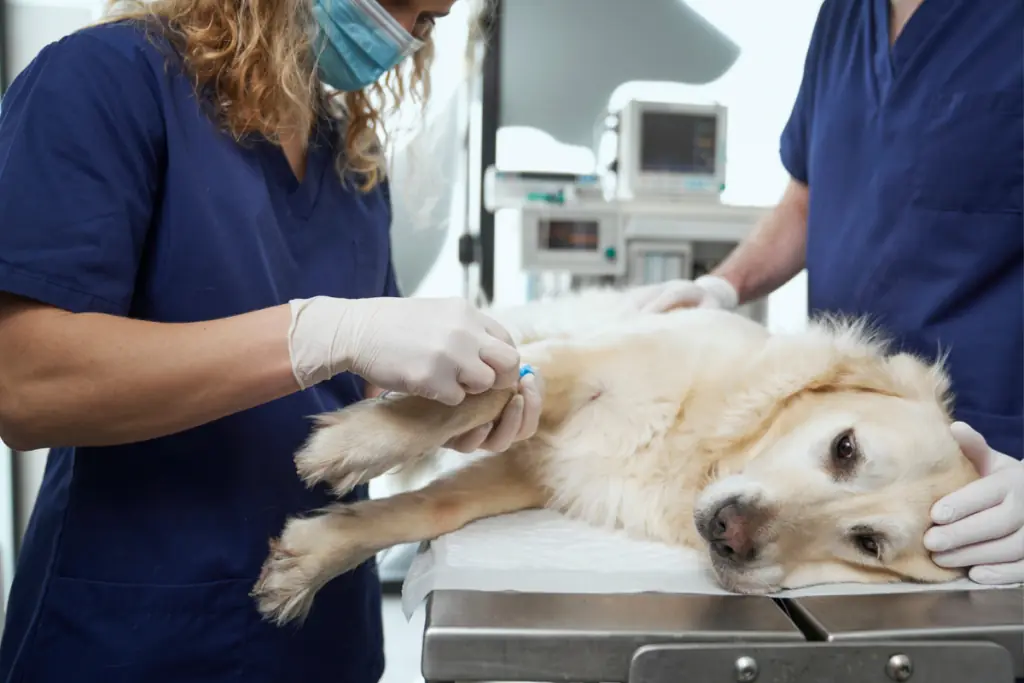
(653, 213)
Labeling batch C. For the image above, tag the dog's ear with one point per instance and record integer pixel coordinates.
(858, 360)
(829, 356)
(832, 355)
(919, 380)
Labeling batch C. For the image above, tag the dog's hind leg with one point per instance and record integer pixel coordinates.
(314, 550)
(367, 439)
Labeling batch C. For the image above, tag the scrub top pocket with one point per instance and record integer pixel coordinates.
(99, 632)
(969, 154)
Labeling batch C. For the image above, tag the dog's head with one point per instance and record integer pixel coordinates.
(838, 482)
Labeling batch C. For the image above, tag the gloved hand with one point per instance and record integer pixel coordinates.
(707, 291)
(518, 421)
(440, 349)
(982, 525)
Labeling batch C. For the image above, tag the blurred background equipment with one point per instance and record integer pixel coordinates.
(566, 77)
(652, 212)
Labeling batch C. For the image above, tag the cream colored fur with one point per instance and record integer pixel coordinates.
(661, 426)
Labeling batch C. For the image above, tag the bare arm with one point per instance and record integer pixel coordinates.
(92, 379)
(774, 252)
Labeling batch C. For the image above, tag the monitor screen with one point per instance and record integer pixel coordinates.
(678, 143)
(575, 235)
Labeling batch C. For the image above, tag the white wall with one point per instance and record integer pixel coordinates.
(35, 23)
(7, 531)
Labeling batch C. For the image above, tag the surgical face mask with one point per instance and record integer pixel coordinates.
(359, 42)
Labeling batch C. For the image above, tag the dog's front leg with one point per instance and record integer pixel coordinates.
(353, 445)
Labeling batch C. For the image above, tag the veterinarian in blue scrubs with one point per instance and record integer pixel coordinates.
(185, 279)
(906, 151)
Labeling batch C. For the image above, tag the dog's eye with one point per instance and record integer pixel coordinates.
(844, 448)
(868, 545)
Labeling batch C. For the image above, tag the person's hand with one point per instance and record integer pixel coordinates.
(517, 422)
(707, 291)
(981, 526)
(440, 349)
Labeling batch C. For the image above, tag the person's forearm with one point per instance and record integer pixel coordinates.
(91, 379)
(774, 252)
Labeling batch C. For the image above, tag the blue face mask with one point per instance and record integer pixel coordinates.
(358, 42)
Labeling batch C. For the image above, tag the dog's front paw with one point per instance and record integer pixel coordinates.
(285, 589)
(349, 448)
(297, 567)
(315, 464)
(332, 456)
(310, 552)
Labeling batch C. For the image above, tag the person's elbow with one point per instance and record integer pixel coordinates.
(17, 426)
(797, 197)
(22, 416)
(22, 408)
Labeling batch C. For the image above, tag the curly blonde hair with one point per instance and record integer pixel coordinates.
(256, 59)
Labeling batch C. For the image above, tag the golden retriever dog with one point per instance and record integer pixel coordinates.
(792, 459)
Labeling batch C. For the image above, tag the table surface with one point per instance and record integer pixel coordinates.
(475, 635)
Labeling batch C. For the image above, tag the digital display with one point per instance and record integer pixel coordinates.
(678, 143)
(570, 235)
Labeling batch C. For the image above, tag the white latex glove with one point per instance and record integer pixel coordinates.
(517, 422)
(707, 291)
(982, 525)
(439, 349)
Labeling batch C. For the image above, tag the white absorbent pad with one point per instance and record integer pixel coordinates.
(540, 551)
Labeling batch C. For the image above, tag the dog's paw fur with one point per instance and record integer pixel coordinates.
(319, 461)
(310, 552)
(352, 446)
(284, 592)
(292, 573)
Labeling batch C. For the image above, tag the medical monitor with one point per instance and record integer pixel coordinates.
(583, 239)
(669, 150)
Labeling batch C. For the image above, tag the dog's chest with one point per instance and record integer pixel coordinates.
(614, 468)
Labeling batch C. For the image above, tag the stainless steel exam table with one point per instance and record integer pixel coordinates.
(932, 637)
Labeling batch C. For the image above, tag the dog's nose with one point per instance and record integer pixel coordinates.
(731, 534)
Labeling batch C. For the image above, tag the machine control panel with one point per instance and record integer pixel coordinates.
(582, 240)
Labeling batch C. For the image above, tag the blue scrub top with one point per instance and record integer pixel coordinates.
(914, 159)
(119, 196)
